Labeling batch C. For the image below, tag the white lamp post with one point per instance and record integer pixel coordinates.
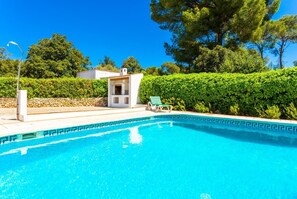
(18, 80)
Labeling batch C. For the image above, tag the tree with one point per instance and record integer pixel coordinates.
(54, 57)
(285, 32)
(153, 70)
(132, 65)
(8, 67)
(267, 42)
(225, 60)
(107, 61)
(2, 53)
(107, 68)
(168, 68)
(208, 23)
(295, 63)
(107, 65)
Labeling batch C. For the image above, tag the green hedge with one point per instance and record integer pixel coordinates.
(250, 92)
(55, 88)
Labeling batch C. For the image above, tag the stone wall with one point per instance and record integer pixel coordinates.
(55, 102)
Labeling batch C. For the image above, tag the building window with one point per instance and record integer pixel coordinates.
(126, 100)
(118, 89)
(116, 100)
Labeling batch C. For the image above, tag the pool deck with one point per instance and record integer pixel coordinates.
(53, 118)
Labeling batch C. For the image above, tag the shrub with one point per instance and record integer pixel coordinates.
(222, 91)
(201, 108)
(55, 88)
(291, 111)
(272, 112)
(176, 103)
(234, 110)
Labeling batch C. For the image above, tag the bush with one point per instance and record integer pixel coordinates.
(55, 88)
(201, 108)
(234, 110)
(291, 111)
(222, 91)
(272, 112)
(176, 103)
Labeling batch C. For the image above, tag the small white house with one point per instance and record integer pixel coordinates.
(123, 90)
(96, 74)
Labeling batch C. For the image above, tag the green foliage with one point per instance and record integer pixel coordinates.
(209, 23)
(107, 65)
(224, 90)
(285, 32)
(272, 7)
(8, 67)
(168, 68)
(267, 41)
(7, 87)
(234, 110)
(201, 108)
(272, 112)
(107, 61)
(291, 111)
(2, 53)
(108, 68)
(132, 65)
(224, 60)
(295, 63)
(54, 57)
(176, 103)
(55, 88)
(153, 71)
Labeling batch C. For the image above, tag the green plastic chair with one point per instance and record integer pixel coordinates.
(156, 101)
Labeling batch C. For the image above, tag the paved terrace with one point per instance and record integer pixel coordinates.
(56, 117)
(60, 117)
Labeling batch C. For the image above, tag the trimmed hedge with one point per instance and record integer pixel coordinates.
(221, 91)
(55, 88)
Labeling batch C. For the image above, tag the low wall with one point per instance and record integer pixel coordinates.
(55, 102)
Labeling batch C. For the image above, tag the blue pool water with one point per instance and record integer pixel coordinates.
(158, 158)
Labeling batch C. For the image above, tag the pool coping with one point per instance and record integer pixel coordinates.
(277, 125)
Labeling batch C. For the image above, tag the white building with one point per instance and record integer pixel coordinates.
(96, 74)
(123, 90)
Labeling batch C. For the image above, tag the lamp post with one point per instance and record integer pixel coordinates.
(19, 72)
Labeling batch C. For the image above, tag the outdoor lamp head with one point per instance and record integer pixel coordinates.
(12, 42)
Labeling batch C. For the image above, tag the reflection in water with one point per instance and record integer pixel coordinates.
(134, 136)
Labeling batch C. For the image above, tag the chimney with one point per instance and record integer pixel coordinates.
(123, 71)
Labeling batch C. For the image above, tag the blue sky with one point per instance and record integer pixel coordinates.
(117, 29)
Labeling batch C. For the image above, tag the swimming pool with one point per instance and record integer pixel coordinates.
(174, 156)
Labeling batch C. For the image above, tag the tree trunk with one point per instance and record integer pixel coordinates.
(281, 52)
(220, 38)
(281, 59)
(261, 50)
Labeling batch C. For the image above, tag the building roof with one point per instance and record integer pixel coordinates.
(123, 76)
(99, 70)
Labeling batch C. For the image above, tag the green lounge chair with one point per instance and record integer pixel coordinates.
(156, 101)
